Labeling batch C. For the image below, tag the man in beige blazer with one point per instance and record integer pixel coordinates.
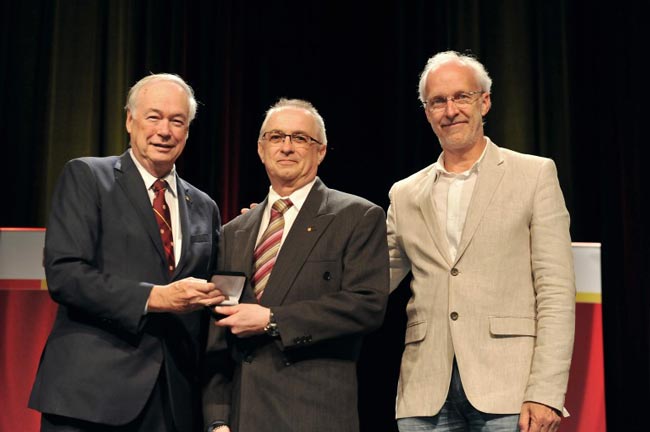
(485, 233)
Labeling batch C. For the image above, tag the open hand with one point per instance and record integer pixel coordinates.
(244, 319)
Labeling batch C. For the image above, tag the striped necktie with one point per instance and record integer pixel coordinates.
(161, 209)
(267, 249)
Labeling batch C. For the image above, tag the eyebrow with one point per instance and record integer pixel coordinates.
(452, 94)
(290, 133)
(159, 112)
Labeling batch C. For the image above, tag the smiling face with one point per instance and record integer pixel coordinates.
(459, 128)
(159, 126)
(290, 167)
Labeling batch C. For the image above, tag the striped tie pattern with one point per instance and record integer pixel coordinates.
(161, 210)
(267, 249)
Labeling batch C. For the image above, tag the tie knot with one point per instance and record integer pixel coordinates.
(282, 205)
(159, 185)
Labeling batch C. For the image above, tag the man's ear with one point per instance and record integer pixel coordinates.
(486, 104)
(321, 153)
(260, 151)
(129, 120)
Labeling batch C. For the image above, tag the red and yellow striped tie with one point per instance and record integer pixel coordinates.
(267, 249)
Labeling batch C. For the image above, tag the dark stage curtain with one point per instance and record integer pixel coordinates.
(567, 85)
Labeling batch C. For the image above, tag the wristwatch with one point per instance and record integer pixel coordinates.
(271, 328)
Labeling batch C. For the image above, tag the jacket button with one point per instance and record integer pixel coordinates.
(453, 316)
(327, 276)
(454, 271)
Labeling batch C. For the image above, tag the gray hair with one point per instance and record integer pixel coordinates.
(135, 90)
(296, 103)
(445, 57)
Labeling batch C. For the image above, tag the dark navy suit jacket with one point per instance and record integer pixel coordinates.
(103, 253)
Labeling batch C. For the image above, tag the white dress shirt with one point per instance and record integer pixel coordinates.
(452, 193)
(298, 198)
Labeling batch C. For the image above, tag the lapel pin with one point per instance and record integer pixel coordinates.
(310, 229)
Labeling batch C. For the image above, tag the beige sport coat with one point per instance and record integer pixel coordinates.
(505, 307)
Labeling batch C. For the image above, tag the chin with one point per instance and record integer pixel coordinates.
(455, 142)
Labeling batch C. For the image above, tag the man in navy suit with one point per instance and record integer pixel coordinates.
(124, 350)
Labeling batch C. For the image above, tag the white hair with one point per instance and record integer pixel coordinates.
(132, 97)
(445, 57)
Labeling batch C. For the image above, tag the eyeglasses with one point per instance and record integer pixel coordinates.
(459, 99)
(299, 140)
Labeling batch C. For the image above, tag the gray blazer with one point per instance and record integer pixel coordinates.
(103, 253)
(328, 288)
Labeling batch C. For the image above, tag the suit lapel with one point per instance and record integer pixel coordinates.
(312, 221)
(243, 246)
(184, 210)
(429, 212)
(129, 179)
(490, 174)
(245, 238)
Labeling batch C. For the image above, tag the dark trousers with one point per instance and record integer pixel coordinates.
(155, 416)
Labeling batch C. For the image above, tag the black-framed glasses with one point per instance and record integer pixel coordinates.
(298, 139)
(459, 99)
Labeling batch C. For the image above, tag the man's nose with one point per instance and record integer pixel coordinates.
(287, 145)
(163, 128)
(450, 108)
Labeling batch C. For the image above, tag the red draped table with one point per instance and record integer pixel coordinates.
(27, 314)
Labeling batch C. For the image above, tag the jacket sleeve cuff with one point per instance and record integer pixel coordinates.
(215, 424)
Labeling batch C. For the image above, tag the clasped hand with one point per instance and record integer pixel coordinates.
(185, 295)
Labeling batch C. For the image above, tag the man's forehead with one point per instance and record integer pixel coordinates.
(291, 115)
(162, 89)
(451, 74)
(162, 85)
(161, 96)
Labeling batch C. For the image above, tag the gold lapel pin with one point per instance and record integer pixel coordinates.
(310, 229)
